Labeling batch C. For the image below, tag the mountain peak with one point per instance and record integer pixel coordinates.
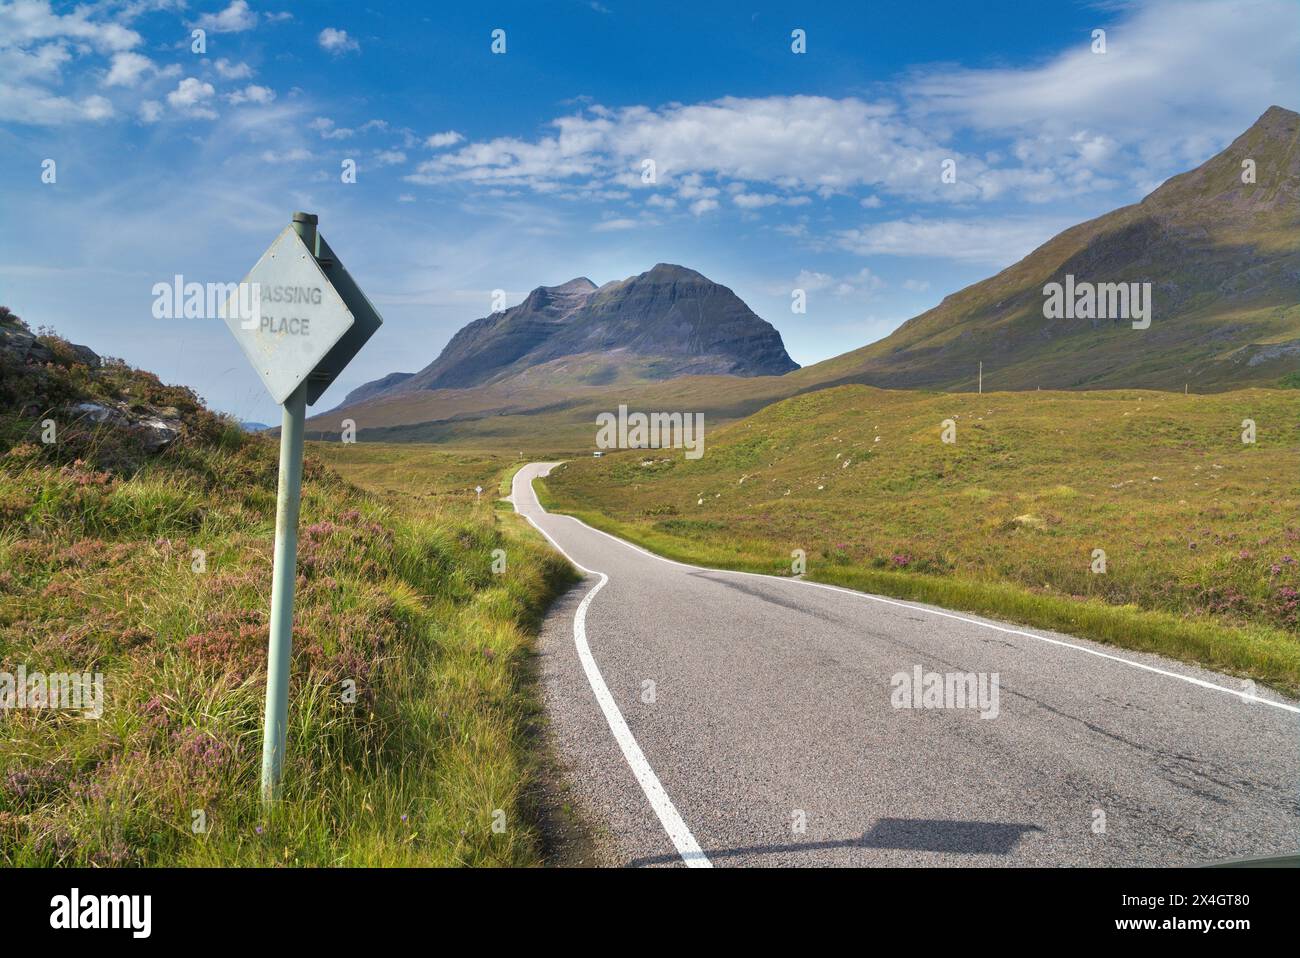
(668, 321)
(671, 271)
(1220, 192)
(578, 283)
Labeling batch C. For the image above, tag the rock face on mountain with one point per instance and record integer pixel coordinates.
(375, 387)
(1220, 246)
(668, 321)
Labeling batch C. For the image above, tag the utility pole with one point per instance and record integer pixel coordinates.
(981, 377)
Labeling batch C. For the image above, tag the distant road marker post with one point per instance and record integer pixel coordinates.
(309, 319)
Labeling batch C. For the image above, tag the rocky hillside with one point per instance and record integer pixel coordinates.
(90, 408)
(669, 321)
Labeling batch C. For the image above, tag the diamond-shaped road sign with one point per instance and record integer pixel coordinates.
(300, 318)
(312, 317)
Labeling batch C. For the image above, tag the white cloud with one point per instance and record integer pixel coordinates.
(30, 104)
(992, 242)
(326, 128)
(127, 68)
(233, 71)
(916, 285)
(389, 157)
(810, 281)
(794, 144)
(859, 285)
(754, 201)
(236, 18)
(151, 111)
(438, 140)
(96, 108)
(251, 94)
(700, 207)
(336, 42)
(620, 223)
(23, 22)
(41, 63)
(190, 97)
(295, 155)
(1177, 82)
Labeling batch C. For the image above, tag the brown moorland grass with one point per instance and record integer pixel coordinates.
(155, 572)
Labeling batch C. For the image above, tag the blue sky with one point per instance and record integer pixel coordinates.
(478, 171)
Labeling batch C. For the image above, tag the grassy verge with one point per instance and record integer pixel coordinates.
(1198, 526)
(411, 714)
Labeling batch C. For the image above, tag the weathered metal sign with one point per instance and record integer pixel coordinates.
(309, 317)
(299, 317)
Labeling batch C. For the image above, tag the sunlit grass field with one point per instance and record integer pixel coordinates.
(1200, 530)
(157, 575)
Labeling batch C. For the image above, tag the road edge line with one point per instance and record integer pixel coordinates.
(671, 820)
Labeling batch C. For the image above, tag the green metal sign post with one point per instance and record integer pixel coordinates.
(310, 319)
(283, 579)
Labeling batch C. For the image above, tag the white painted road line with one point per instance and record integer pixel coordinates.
(663, 806)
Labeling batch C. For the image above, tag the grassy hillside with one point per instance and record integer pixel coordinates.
(99, 573)
(1199, 529)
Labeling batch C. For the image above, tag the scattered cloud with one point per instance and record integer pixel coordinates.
(791, 143)
(994, 242)
(251, 94)
(233, 71)
(1168, 91)
(235, 18)
(328, 131)
(337, 42)
(127, 68)
(24, 22)
(191, 97)
(438, 140)
(295, 155)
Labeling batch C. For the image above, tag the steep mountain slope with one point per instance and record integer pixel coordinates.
(1223, 258)
(666, 322)
(487, 346)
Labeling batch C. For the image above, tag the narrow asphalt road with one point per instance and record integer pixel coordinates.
(719, 718)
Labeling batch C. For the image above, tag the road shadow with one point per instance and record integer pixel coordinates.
(897, 834)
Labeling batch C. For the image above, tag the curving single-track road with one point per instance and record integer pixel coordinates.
(703, 716)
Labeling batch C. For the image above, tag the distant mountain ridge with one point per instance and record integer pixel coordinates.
(668, 321)
(1222, 255)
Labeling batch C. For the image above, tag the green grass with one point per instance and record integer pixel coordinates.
(396, 594)
(1199, 528)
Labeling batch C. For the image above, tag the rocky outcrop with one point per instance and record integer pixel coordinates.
(670, 315)
(156, 429)
(46, 376)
